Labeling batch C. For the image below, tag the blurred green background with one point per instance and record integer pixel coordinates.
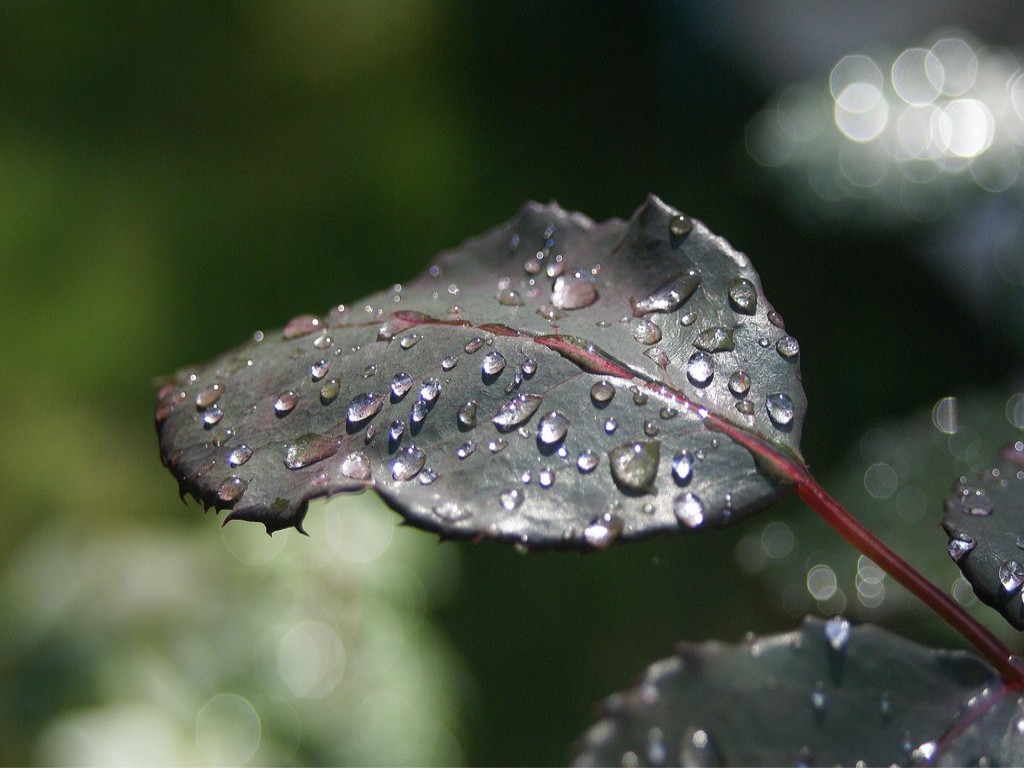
(174, 176)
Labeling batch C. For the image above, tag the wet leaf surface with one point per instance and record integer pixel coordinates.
(984, 519)
(554, 382)
(826, 694)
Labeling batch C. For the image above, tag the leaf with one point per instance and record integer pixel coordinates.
(985, 524)
(554, 382)
(826, 694)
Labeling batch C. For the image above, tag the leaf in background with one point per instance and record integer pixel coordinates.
(827, 694)
(554, 382)
(985, 524)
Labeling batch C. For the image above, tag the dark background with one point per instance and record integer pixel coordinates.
(174, 176)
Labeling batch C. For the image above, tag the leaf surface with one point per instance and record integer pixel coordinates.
(554, 382)
(827, 694)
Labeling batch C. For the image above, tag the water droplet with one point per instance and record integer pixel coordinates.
(319, 369)
(528, 367)
(639, 396)
(743, 296)
(449, 511)
(323, 341)
(409, 341)
(466, 449)
(739, 383)
(231, 490)
(1020, 541)
(370, 370)
(976, 502)
(208, 396)
(667, 413)
(511, 499)
(715, 339)
(776, 319)
(408, 463)
(419, 412)
(551, 313)
(679, 226)
(780, 409)
(473, 345)
(650, 428)
(356, 466)
(746, 407)
(286, 403)
(516, 411)
(688, 509)
(222, 435)
(466, 414)
(634, 465)
(212, 415)
(429, 390)
(497, 445)
(449, 362)
(363, 407)
(688, 318)
(700, 369)
(400, 385)
(309, 449)
(510, 298)
(514, 384)
(574, 291)
(668, 297)
(647, 332)
(396, 431)
(330, 390)
(1011, 576)
(532, 265)
(493, 363)
(603, 531)
(837, 632)
(682, 467)
(240, 455)
(788, 347)
(555, 267)
(552, 428)
(818, 697)
(546, 477)
(427, 476)
(960, 545)
(300, 326)
(611, 425)
(696, 748)
(658, 356)
(602, 392)
(587, 461)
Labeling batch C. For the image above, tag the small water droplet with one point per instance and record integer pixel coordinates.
(528, 367)
(587, 461)
(330, 390)
(510, 298)
(409, 341)
(700, 369)
(466, 414)
(746, 407)
(449, 362)
(555, 267)
(818, 697)
(408, 463)
(679, 226)
(212, 415)
(667, 413)
(603, 531)
(493, 363)
(309, 449)
(639, 396)
(739, 383)
(788, 347)
(780, 409)
(419, 412)
(1020, 541)
(960, 545)
(634, 465)
(574, 291)
(552, 428)
(221, 435)
(511, 499)
(976, 502)
(240, 455)
(401, 383)
(395, 431)
(429, 390)
(658, 356)
(427, 476)
(650, 428)
(743, 296)
(286, 403)
(370, 370)
(776, 319)
(208, 396)
(668, 297)
(688, 318)
(473, 345)
(516, 411)
(551, 313)
(465, 450)
(715, 339)
(363, 407)
(602, 392)
(300, 326)
(533, 264)
(647, 332)
(682, 467)
(546, 477)
(231, 490)
(497, 445)
(323, 341)
(688, 509)
(319, 369)
(837, 632)
(356, 466)
(610, 425)
(1011, 576)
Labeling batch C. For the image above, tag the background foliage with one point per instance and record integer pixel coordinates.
(175, 176)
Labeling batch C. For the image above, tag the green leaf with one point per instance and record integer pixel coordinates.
(554, 382)
(826, 694)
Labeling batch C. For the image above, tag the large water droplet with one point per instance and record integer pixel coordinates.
(739, 383)
(516, 411)
(300, 326)
(231, 490)
(647, 332)
(286, 403)
(587, 461)
(715, 339)
(634, 466)
(466, 449)
(330, 390)
(208, 396)
(668, 297)
(682, 467)
(976, 502)
(700, 369)
(1011, 576)
(788, 347)
(602, 392)
(603, 531)
(528, 367)
(688, 509)
(467, 414)
(510, 298)
(743, 296)
(419, 412)
(493, 363)
(212, 415)
(574, 291)
(511, 499)
(552, 427)
(356, 466)
(449, 362)
(363, 407)
(400, 385)
(240, 455)
(429, 390)
(960, 545)
(396, 431)
(780, 409)
(679, 226)
(408, 463)
(309, 449)
(837, 632)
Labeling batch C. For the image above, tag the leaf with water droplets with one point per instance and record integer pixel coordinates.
(826, 694)
(984, 520)
(555, 314)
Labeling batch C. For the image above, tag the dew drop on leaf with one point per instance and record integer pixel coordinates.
(429, 390)
(634, 465)
(467, 414)
(587, 461)
(231, 490)
(602, 392)
(780, 409)
(427, 476)
(682, 467)
(715, 339)
(300, 326)
(603, 531)
(497, 445)
(837, 632)
(212, 415)
(323, 341)
(679, 226)
(528, 367)
(552, 428)
(449, 362)
(419, 412)
(1011, 576)
(511, 499)
(516, 411)
(743, 296)
(408, 463)
(610, 425)
(473, 345)
(788, 347)
(493, 363)
(465, 450)
(208, 396)
(668, 297)
(319, 369)
(688, 509)
(396, 430)
(309, 449)
(647, 332)
(401, 383)
(739, 383)
(574, 291)
(546, 477)
(330, 390)
(700, 369)
(408, 342)
(356, 466)
(286, 403)
(960, 545)
(976, 502)
(240, 455)
(510, 298)
(746, 407)
(363, 407)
